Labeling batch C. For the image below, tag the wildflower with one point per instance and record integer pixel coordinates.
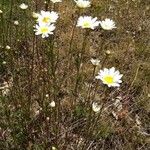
(107, 24)
(35, 15)
(52, 104)
(54, 148)
(1, 11)
(4, 62)
(56, 1)
(7, 47)
(95, 62)
(83, 3)
(110, 77)
(44, 30)
(47, 96)
(108, 52)
(96, 107)
(47, 17)
(87, 22)
(47, 118)
(23, 6)
(16, 23)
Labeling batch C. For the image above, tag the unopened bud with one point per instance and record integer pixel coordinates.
(7, 47)
(16, 23)
(35, 15)
(108, 52)
(46, 95)
(47, 118)
(4, 62)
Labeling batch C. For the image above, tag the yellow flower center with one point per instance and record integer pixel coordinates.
(44, 30)
(46, 19)
(108, 79)
(86, 24)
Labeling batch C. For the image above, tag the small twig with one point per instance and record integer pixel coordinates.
(135, 77)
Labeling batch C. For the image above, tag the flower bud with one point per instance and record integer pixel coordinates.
(16, 23)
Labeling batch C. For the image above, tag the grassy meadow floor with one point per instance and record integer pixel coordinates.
(34, 72)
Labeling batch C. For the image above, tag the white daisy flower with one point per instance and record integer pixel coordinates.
(23, 6)
(95, 107)
(52, 104)
(56, 1)
(107, 24)
(87, 22)
(95, 62)
(111, 77)
(83, 3)
(44, 30)
(1, 11)
(47, 17)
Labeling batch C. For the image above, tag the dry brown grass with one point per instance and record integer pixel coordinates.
(29, 71)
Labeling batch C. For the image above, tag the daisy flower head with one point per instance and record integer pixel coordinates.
(23, 6)
(44, 30)
(111, 77)
(56, 1)
(87, 22)
(47, 17)
(107, 24)
(95, 62)
(83, 3)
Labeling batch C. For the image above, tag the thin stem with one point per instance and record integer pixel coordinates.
(80, 60)
(72, 36)
(2, 30)
(90, 86)
(47, 4)
(70, 54)
(135, 77)
(32, 69)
